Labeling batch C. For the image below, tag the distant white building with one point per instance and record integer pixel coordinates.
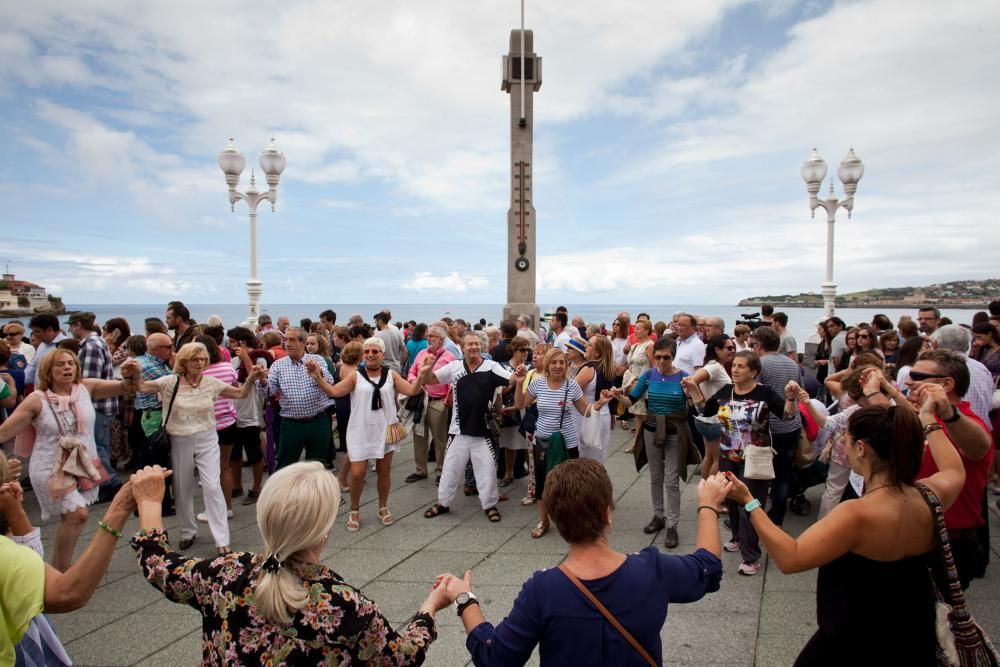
(35, 294)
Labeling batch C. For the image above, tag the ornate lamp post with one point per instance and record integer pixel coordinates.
(813, 172)
(272, 162)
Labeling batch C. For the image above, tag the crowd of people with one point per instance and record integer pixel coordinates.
(898, 423)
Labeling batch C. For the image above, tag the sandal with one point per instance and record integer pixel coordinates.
(354, 521)
(436, 509)
(493, 514)
(506, 481)
(470, 490)
(386, 516)
(540, 529)
(186, 543)
(528, 500)
(225, 551)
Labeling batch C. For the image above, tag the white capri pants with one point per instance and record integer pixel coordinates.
(202, 450)
(460, 450)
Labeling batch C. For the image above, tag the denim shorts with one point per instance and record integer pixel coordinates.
(712, 432)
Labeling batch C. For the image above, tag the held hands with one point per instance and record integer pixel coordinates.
(147, 484)
(13, 470)
(427, 363)
(11, 497)
(260, 373)
(792, 391)
(313, 369)
(933, 402)
(738, 491)
(130, 368)
(521, 371)
(713, 490)
(124, 502)
(453, 586)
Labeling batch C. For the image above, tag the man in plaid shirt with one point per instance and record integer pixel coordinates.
(95, 362)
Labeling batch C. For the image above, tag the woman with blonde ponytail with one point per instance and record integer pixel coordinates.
(282, 605)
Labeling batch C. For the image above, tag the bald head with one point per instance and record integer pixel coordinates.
(160, 346)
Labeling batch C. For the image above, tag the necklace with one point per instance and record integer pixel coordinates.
(877, 488)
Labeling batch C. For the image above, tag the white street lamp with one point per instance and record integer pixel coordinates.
(272, 162)
(813, 172)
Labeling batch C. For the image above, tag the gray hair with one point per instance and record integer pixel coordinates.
(374, 341)
(484, 341)
(953, 337)
(437, 330)
(264, 319)
(299, 331)
(524, 319)
(214, 321)
(716, 322)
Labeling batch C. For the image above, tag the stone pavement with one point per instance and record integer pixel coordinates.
(761, 620)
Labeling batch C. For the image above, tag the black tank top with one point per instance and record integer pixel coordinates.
(873, 613)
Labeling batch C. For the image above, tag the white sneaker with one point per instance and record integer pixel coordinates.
(731, 546)
(204, 517)
(749, 569)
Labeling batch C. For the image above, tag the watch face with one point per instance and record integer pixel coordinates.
(462, 598)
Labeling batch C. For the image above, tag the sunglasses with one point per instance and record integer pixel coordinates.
(662, 357)
(864, 336)
(373, 351)
(917, 376)
(14, 334)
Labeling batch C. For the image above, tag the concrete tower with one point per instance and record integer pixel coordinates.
(521, 215)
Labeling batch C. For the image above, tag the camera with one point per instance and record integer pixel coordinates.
(752, 320)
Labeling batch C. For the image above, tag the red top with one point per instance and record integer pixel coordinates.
(967, 512)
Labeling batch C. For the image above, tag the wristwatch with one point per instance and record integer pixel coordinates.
(464, 600)
(955, 416)
(751, 506)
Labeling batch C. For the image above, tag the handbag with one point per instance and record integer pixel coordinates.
(159, 440)
(608, 615)
(758, 462)
(590, 432)
(961, 641)
(996, 394)
(553, 448)
(73, 470)
(394, 433)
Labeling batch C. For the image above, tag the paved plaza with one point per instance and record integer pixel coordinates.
(762, 620)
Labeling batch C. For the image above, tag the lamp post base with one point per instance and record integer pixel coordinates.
(512, 310)
(829, 291)
(254, 289)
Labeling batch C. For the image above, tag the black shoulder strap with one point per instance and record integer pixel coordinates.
(173, 395)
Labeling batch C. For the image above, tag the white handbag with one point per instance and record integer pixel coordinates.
(758, 462)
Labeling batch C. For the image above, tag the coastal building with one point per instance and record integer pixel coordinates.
(36, 295)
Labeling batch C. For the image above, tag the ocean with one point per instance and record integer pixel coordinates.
(801, 321)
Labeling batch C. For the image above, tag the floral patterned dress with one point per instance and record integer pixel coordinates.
(338, 626)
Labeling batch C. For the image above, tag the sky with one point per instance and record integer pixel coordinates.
(668, 142)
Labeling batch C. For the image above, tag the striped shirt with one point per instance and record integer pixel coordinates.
(553, 404)
(664, 394)
(225, 410)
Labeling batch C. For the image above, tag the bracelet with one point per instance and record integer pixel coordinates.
(117, 533)
(955, 416)
(709, 507)
(930, 428)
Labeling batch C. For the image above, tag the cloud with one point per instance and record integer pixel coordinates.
(425, 281)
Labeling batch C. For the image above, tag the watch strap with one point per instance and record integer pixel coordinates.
(751, 506)
(956, 414)
(472, 599)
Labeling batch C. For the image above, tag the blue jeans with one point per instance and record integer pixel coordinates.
(102, 436)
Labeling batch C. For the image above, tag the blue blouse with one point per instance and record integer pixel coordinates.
(552, 612)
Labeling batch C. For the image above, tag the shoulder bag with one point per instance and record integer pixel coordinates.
(395, 431)
(159, 442)
(961, 641)
(608, 615)
(554, 447)
(73, 469)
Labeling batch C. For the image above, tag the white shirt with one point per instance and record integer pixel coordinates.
(980, 394)
(690, 354)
